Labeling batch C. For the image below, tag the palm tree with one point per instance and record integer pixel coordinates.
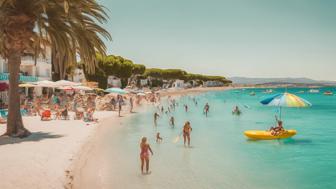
(70, 26)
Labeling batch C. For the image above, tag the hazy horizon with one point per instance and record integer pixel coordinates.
(244, 38)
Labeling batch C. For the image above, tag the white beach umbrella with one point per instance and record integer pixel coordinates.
(82, 88)
(45, 83)
(66, 83)
(141, 94)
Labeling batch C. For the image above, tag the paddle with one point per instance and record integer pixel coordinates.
(177, 138)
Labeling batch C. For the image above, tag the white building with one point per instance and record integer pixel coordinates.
(178, 84)
(78, 76)
(213, 84)
(113, 81)
(143, 82)
(29, 72)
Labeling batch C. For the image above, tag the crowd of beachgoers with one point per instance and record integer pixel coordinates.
(57, 106)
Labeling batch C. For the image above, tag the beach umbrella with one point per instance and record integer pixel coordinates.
(141, 94)
(116, 90)
(285, 100)
(45, 83)
(82, 88)
(66, 88)
(27, 85)
(66, 83)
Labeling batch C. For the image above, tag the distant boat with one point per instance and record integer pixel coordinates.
(300, 92)
(252, 93)
(268, 91)
(328, 93)
(314, 91)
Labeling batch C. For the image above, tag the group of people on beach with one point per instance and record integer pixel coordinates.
(57, 105)
(145, 149)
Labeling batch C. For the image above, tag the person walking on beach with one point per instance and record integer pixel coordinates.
(120, 101)
(131, 104)
(156, 116)
(144, 154)
(206, 109)
(186, 133)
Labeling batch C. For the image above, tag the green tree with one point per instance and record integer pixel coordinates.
(69, 26)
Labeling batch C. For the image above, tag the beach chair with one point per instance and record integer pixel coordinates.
(46, 115)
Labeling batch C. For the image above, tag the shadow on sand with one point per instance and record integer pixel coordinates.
(34, 137)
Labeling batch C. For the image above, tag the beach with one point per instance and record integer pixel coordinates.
(43, 159)
(50, 157)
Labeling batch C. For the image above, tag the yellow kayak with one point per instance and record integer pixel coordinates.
(266, 135)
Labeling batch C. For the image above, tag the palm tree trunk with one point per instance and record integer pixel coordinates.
(15, 126)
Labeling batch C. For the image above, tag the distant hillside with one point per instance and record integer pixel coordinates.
(255, 81)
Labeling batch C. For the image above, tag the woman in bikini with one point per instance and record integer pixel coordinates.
(186, 133)
(144, 154)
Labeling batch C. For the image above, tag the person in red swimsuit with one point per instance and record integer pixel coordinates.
(186, 133)
(144, 154)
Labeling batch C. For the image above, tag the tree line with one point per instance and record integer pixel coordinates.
(124, 69)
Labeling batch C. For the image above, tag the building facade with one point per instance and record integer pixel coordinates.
(29, 72)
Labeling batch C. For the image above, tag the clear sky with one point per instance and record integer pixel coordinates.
(252, 38)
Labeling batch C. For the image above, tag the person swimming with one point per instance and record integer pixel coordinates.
(144, 154)
(158, 137)
(236, 111)
(186, 133)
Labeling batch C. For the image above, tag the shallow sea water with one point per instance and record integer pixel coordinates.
(221, 156)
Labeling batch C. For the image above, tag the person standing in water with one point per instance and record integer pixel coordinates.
(156, 116)
(144, 154)
(186, 108)
(172, 121)
(206, 109)
(186, 133)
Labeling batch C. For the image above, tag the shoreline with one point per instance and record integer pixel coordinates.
(83, 168)
(58, 150)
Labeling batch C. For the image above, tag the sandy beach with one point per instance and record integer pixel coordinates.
(42, 159)
(55, 155)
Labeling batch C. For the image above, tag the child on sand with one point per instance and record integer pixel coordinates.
(144, 154)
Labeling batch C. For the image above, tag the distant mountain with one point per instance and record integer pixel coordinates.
(255, 81)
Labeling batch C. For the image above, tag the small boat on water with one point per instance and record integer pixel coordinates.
(267, 135)
(328, 93)
(314, 91)
(300, 92)
(252, 93)
(268, 91)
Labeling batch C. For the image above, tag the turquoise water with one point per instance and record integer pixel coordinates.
(221, 156)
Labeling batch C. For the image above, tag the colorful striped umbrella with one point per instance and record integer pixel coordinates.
(286, 100)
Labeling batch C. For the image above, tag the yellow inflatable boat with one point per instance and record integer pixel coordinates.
(266, 135)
